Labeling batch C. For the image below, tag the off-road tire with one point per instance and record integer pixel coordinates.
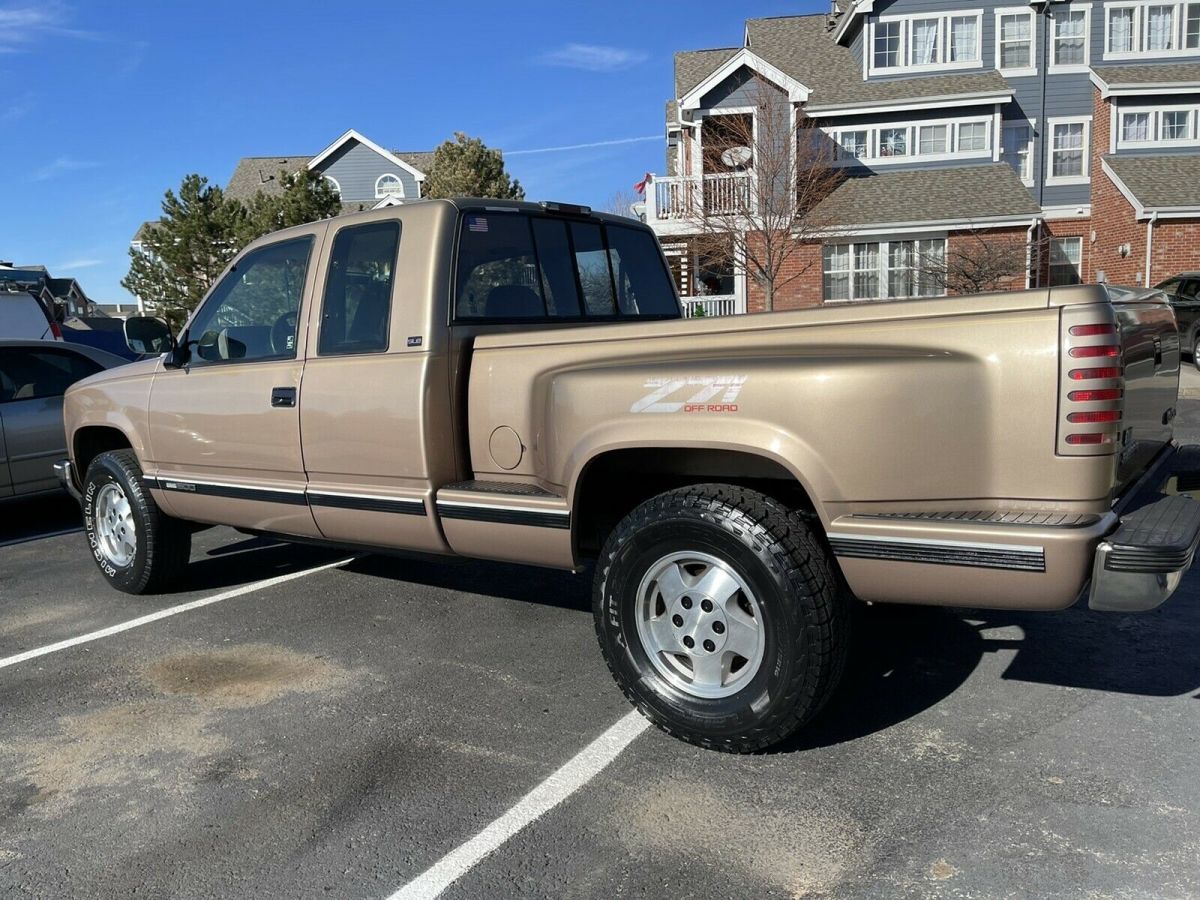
(163, 543)
(805, 612)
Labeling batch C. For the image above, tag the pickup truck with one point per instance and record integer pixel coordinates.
(515, 381)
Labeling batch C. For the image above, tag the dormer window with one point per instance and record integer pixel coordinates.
(922, 42)
(388, 185)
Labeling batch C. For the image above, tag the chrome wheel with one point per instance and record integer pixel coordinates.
(115, 530)
(700, 624)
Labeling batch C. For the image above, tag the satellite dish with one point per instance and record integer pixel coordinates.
(736, 156)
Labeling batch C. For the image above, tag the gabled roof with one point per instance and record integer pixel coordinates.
(797, 92)
(261, 173)
(1164, 184)
(955, 194)
(803, 48)
(352, 135)
(693, 66)
(1152, 78)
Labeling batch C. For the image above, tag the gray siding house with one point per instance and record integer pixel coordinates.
(365, 175)
(1073, 125)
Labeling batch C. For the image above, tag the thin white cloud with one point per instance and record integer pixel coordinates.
(592, 57)
(22, 26)
(588, 146)
(61, 166)
(72, 265)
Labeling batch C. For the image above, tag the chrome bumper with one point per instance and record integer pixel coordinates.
(1143, 561)
(65, 473)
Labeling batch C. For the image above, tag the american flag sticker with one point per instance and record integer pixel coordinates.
(477, 223)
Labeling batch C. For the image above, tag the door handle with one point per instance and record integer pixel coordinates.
(1158, 358)
(283, 396)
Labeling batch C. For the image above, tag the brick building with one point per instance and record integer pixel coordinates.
(1068, 127)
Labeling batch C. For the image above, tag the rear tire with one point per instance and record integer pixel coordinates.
(746, 581)
(137, 547)
(1196, 352)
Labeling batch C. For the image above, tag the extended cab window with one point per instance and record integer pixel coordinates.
(513, 267)
(252, 313)
(358, 292)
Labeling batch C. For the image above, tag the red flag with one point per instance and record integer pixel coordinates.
(640, 187)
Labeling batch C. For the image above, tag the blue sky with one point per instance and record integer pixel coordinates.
(103, 106)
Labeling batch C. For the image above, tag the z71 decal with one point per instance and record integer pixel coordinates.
(703, 398)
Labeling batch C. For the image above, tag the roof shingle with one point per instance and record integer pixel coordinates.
(1160, 182)
(956, 193)
(1153, 74)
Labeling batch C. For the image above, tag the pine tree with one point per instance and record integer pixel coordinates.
(466, 167)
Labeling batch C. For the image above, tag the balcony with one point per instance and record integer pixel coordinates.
(719, 305)
(678, 198)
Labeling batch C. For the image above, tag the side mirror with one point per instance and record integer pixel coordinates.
(144, 334)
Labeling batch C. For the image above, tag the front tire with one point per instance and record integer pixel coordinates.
(137, 547)
(721, 617)
(1196, 352)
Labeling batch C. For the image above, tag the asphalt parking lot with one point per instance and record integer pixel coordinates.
(339, 733)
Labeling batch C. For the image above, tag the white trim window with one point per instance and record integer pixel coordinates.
(1066, 261)
(1161, 126)
(388, 185)
(922, 42)
(1069, 144)
(1018, 149)
(926, 141)
(1014, 41)
(1137, 28)
(333, 183)
(1071, 28)
(883, 270)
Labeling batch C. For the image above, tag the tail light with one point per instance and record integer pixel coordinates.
(55, 330)
(1092, 383)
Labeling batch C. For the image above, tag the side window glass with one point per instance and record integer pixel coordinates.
(643, 285)
(252, 313)
(36, 374)
(497, 270)
(591, 261)
(1188, 290)
(558, 272)
(358, 291)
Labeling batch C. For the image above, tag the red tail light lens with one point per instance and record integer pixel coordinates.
(1100, 415)
(56, 331)
(1093, 396)
(1089, 374)
(1092, 330)
(1089, 438)
(1104, 350)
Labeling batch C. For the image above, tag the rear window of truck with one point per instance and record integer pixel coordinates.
(518, 267)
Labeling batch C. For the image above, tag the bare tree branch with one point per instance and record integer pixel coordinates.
(759, 201)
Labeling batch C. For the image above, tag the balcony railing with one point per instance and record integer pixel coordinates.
(718, 305)
(680, 197)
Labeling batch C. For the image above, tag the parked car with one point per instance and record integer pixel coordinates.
(23, 317)
(514, 381)
(34, 375)
(1183, 291)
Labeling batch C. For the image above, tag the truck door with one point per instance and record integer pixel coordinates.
(374, 411)
(225, 428)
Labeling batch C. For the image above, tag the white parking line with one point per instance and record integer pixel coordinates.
(165, 613)
(581, 769)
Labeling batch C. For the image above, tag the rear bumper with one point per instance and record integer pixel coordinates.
(65, 472)
(1139, 565)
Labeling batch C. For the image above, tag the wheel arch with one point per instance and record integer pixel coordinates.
(89, 441)
(612, 482)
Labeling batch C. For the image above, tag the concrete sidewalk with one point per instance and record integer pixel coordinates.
(1189, 381)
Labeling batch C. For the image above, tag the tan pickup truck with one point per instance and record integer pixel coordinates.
(514, 381)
